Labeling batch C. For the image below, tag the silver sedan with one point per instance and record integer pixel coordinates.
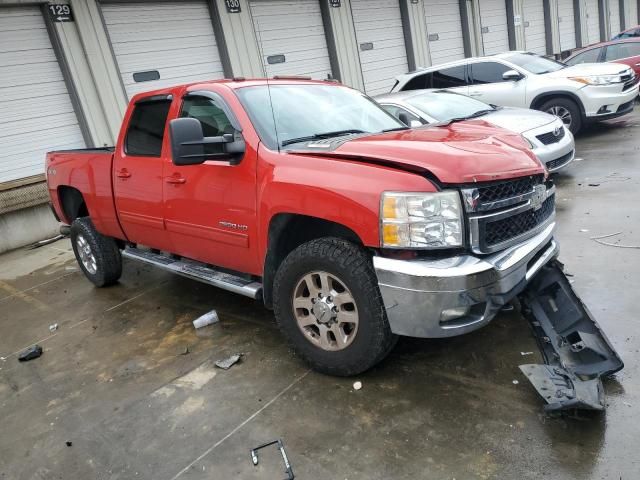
(547, 136)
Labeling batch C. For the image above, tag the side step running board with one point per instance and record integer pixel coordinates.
(576, 351)
(197, 271)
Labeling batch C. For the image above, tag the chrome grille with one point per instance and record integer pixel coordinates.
(551, 137)
(505, 213)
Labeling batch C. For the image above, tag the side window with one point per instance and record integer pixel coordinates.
(621, 50)
(590, 56)
(419, 82)
(213, 119)
(449, 78)
(401, 114)
(487, 72)
(146, 128)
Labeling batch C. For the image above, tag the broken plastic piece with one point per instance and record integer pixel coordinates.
(227, 363)
(53, 327)
(206, 319)
(287, 466)
(30, 353)
(576, 351)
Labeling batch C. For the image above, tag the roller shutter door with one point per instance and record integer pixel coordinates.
(174, 39)
(37, 113)
(379, 33)
(630, 13)
(291, 37)
(493, 20)
(566, 25)
(444, 27)
(614, 17)
(534, 31)
(592, 13)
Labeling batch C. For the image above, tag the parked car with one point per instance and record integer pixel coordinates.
(547, 136)
(578, 94)
(626, 51)
(354, 228)
(628, 33)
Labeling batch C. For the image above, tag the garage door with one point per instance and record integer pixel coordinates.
(534, 31)
(291, 37)
(162, 44)
(614, 17)
(444, 27)
(493, 21)
(379, 33)
(566, 25)
(37, 114)
(592, 13)
(630, 13)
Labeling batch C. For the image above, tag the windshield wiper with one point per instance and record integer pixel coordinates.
(316, 136)
(396, 129)
(477, 114)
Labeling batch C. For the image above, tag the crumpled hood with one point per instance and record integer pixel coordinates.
(586, 69)
(519, 120)
(462, 152)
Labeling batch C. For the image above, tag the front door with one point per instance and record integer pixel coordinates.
(487, 85)
(137, 175)
(210, 209)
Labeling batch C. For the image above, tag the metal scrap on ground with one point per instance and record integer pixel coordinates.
(30, 353)
(227, 363)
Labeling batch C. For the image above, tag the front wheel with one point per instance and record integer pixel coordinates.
(328, 305)
(98, 256)
(566, 110)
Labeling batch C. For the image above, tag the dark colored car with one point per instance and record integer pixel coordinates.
(626, 51)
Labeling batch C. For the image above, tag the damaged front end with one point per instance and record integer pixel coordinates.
(577, 353)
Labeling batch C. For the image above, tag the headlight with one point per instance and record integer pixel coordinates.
(421, 220)
(598, 79)
(528, 142)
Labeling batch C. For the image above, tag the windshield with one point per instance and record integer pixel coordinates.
(443, 106)
(312, 111)
(534, 63)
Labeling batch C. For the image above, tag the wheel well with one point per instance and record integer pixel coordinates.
(543, 97)
(73, 204)
(289, 231)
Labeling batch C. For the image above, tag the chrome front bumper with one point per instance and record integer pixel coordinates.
(416, 293)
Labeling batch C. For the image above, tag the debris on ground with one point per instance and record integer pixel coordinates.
(42, 243)
(357, 385)
(227, 363)
(609, 244)
(515, 382)
(30, 353)
(184, 351)
(526, 353)
(206, 319)
(594, 184)
(53, 327)
(584, 230)
(287, 466)
(69, 444)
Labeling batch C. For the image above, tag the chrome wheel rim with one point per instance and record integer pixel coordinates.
(87, 257)
(562, 113)
(325, 311)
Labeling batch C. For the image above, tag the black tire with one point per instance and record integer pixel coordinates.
(560, 103)
(105, 252)
(373, 339)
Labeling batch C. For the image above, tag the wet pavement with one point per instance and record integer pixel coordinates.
(129, 382)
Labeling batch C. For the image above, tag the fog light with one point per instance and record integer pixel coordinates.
(454, 313)
(603, 109)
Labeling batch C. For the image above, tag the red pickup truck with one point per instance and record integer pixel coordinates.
(307, 195)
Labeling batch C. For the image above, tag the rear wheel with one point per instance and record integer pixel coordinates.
(566, 110)
(328, 305)
(98, 256)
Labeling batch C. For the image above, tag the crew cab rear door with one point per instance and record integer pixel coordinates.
(137, 173)
(210, 208)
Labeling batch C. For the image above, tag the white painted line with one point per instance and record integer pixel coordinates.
(228, 435)
(133, 298)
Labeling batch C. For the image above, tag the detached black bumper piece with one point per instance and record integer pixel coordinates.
(576, 351)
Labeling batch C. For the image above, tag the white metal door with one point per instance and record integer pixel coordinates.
(379, 33)
(614, 18)
(444, 27)
(566, 25)
(534, 30)
(162, 44)
(37, 113)
(592, 13)
(291, 37)
(493, 24)
(630, 13)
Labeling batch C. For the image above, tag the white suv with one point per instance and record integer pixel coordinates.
(578, 94)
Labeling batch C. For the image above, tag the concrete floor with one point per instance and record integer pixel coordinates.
(113, 381)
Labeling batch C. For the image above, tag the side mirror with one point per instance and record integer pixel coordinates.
(511, 76)
(415, 123)
(188, 144)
